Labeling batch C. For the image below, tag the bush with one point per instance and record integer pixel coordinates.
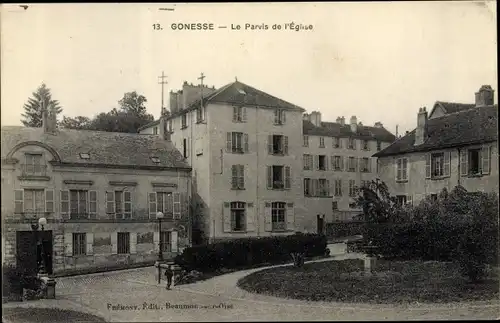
(240, 253)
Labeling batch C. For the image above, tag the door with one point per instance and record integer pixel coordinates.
(320, 224)
(29, 250)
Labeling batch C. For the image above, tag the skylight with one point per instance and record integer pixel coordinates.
(84, 156)
(155, 160)
(242, 92)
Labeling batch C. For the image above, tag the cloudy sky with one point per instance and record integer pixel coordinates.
(378, 61)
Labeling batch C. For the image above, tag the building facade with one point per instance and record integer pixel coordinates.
(100, 193)
(247, 152)
(456, 144)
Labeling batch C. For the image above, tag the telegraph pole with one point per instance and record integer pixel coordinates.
(201, 80)
(162, 81)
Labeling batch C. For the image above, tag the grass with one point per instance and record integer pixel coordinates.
(46, 315)
(393, 282)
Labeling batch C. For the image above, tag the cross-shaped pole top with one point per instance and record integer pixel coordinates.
(201, 78)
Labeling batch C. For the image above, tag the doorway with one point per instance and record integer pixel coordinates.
(29, 252)
(320, 223)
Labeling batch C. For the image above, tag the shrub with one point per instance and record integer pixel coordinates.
(250, 251)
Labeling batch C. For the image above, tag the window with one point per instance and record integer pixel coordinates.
(322, 162)
(335, 206)
(365, 165)
(155, 160)
(237, 142)
(434, 197)
(155, 130)
(352, 188)
(166, 245)
(351, 143)
(84, 156)
(279, 116)
(185, 151)
(474, 161)
(34, 201)
(401, 200)
(184, 121)
(34, 165)
(164, 203)
(123, 242)
(238, 177)
(321, 142)
(338, 187)
(305, 141)
(337, 162)
(379, 146)
(79, 244)
(337, 143)
(278, 216)
(308, 161)
(437, 164)
(239, 114)
(119, 203)
(78, 200)
(366, 145)
(278, 145)
(278, 177)
(238, 216)
(352, 164)
(402, 169)
(307, 187)
(324, 189)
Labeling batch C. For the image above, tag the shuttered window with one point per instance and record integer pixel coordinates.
(79, 244)
(123, 242)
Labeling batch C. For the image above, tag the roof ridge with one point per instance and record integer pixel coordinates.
(272, 96)
(462, 111)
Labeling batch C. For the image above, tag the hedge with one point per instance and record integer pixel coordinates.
(239, 253)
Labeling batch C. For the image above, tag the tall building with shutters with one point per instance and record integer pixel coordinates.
(454, 144)
(337, 158)
(245, 149)
(99, 192)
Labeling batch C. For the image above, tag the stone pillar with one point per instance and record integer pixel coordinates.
(50, 285)
(370, 264)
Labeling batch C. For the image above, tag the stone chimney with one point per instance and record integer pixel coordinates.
(421, 131)
(378, 124)
(174, 101)
(306, 117)
(342, 121)
(49, 120)
(191, 93)
(338, 120)
(316, 118)
(484, 96)
(354, 124)
(163, 127)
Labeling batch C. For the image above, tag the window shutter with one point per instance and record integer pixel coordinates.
(243, 114)
(283, 116)
(241, 176)
(399, 167)
(287, 177)
(68, 244)
(463, 162)
(446, 164)
(49, 201)
(64, 203)
(485, 159)
(234, 176)
(184, 205)
(327, 188)
(114, 243)
(316, 162)
(356, 164)
(290, 217)
(133, 242)
(168, 205)
(90, 243)
(127, 204)
(18, 201)
(285, 145)
(245, 140)
(268, 217)
(229, 142)
(269, 177)
(177, 205)
(152, 205)
(226, 215)
(92, 204)
(235, 114)
(405, 169)
(174, 241)
(315, 188)
(270, 144)
(427, 165)
(326, 163)
(250, 217)
(276, 116)
(110, 202)
(187, 147)
(156, 241)
(409, 200)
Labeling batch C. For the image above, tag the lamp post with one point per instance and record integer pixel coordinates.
(159, 216)
(41, 223)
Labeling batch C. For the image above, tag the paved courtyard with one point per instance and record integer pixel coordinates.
(133, 295)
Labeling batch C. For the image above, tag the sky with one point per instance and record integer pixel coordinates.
(379, 61)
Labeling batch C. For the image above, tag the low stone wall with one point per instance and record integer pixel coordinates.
(102, 268)
(340, 229)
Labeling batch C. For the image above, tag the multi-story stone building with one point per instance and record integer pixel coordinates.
(100, 193)
(247, 152)
(456, 144)
(337, 158)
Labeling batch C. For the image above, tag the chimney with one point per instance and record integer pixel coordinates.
(379, 124)
(306, 117)
(316, 118)
(342, 121)
(484, 96)
(338, 120)
(421, 131)
(354, 125)
(49, 120)
(163, 128)
(191, 93)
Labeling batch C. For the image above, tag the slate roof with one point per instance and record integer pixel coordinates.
(333, 129)
(452, 107)
(104, 148)
(466, 127)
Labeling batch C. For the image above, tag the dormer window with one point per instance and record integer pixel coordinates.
(155, 160)
(242, 92)
(34, 165)
(84, 156)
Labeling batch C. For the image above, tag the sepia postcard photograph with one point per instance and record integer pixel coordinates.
(259, 161)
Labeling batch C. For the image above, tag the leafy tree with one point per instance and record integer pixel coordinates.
(133, 104)
(32, 116)
(79, 122)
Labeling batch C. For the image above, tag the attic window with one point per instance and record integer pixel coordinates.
(84, 156)
(242, 92)
(155, 160)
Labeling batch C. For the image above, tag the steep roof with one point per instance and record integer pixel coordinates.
(333, 129)
(104, 148)
(468, 126)
(451, 107)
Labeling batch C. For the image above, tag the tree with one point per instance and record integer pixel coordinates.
(133, 104)
(79, 122)
(33, 108)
